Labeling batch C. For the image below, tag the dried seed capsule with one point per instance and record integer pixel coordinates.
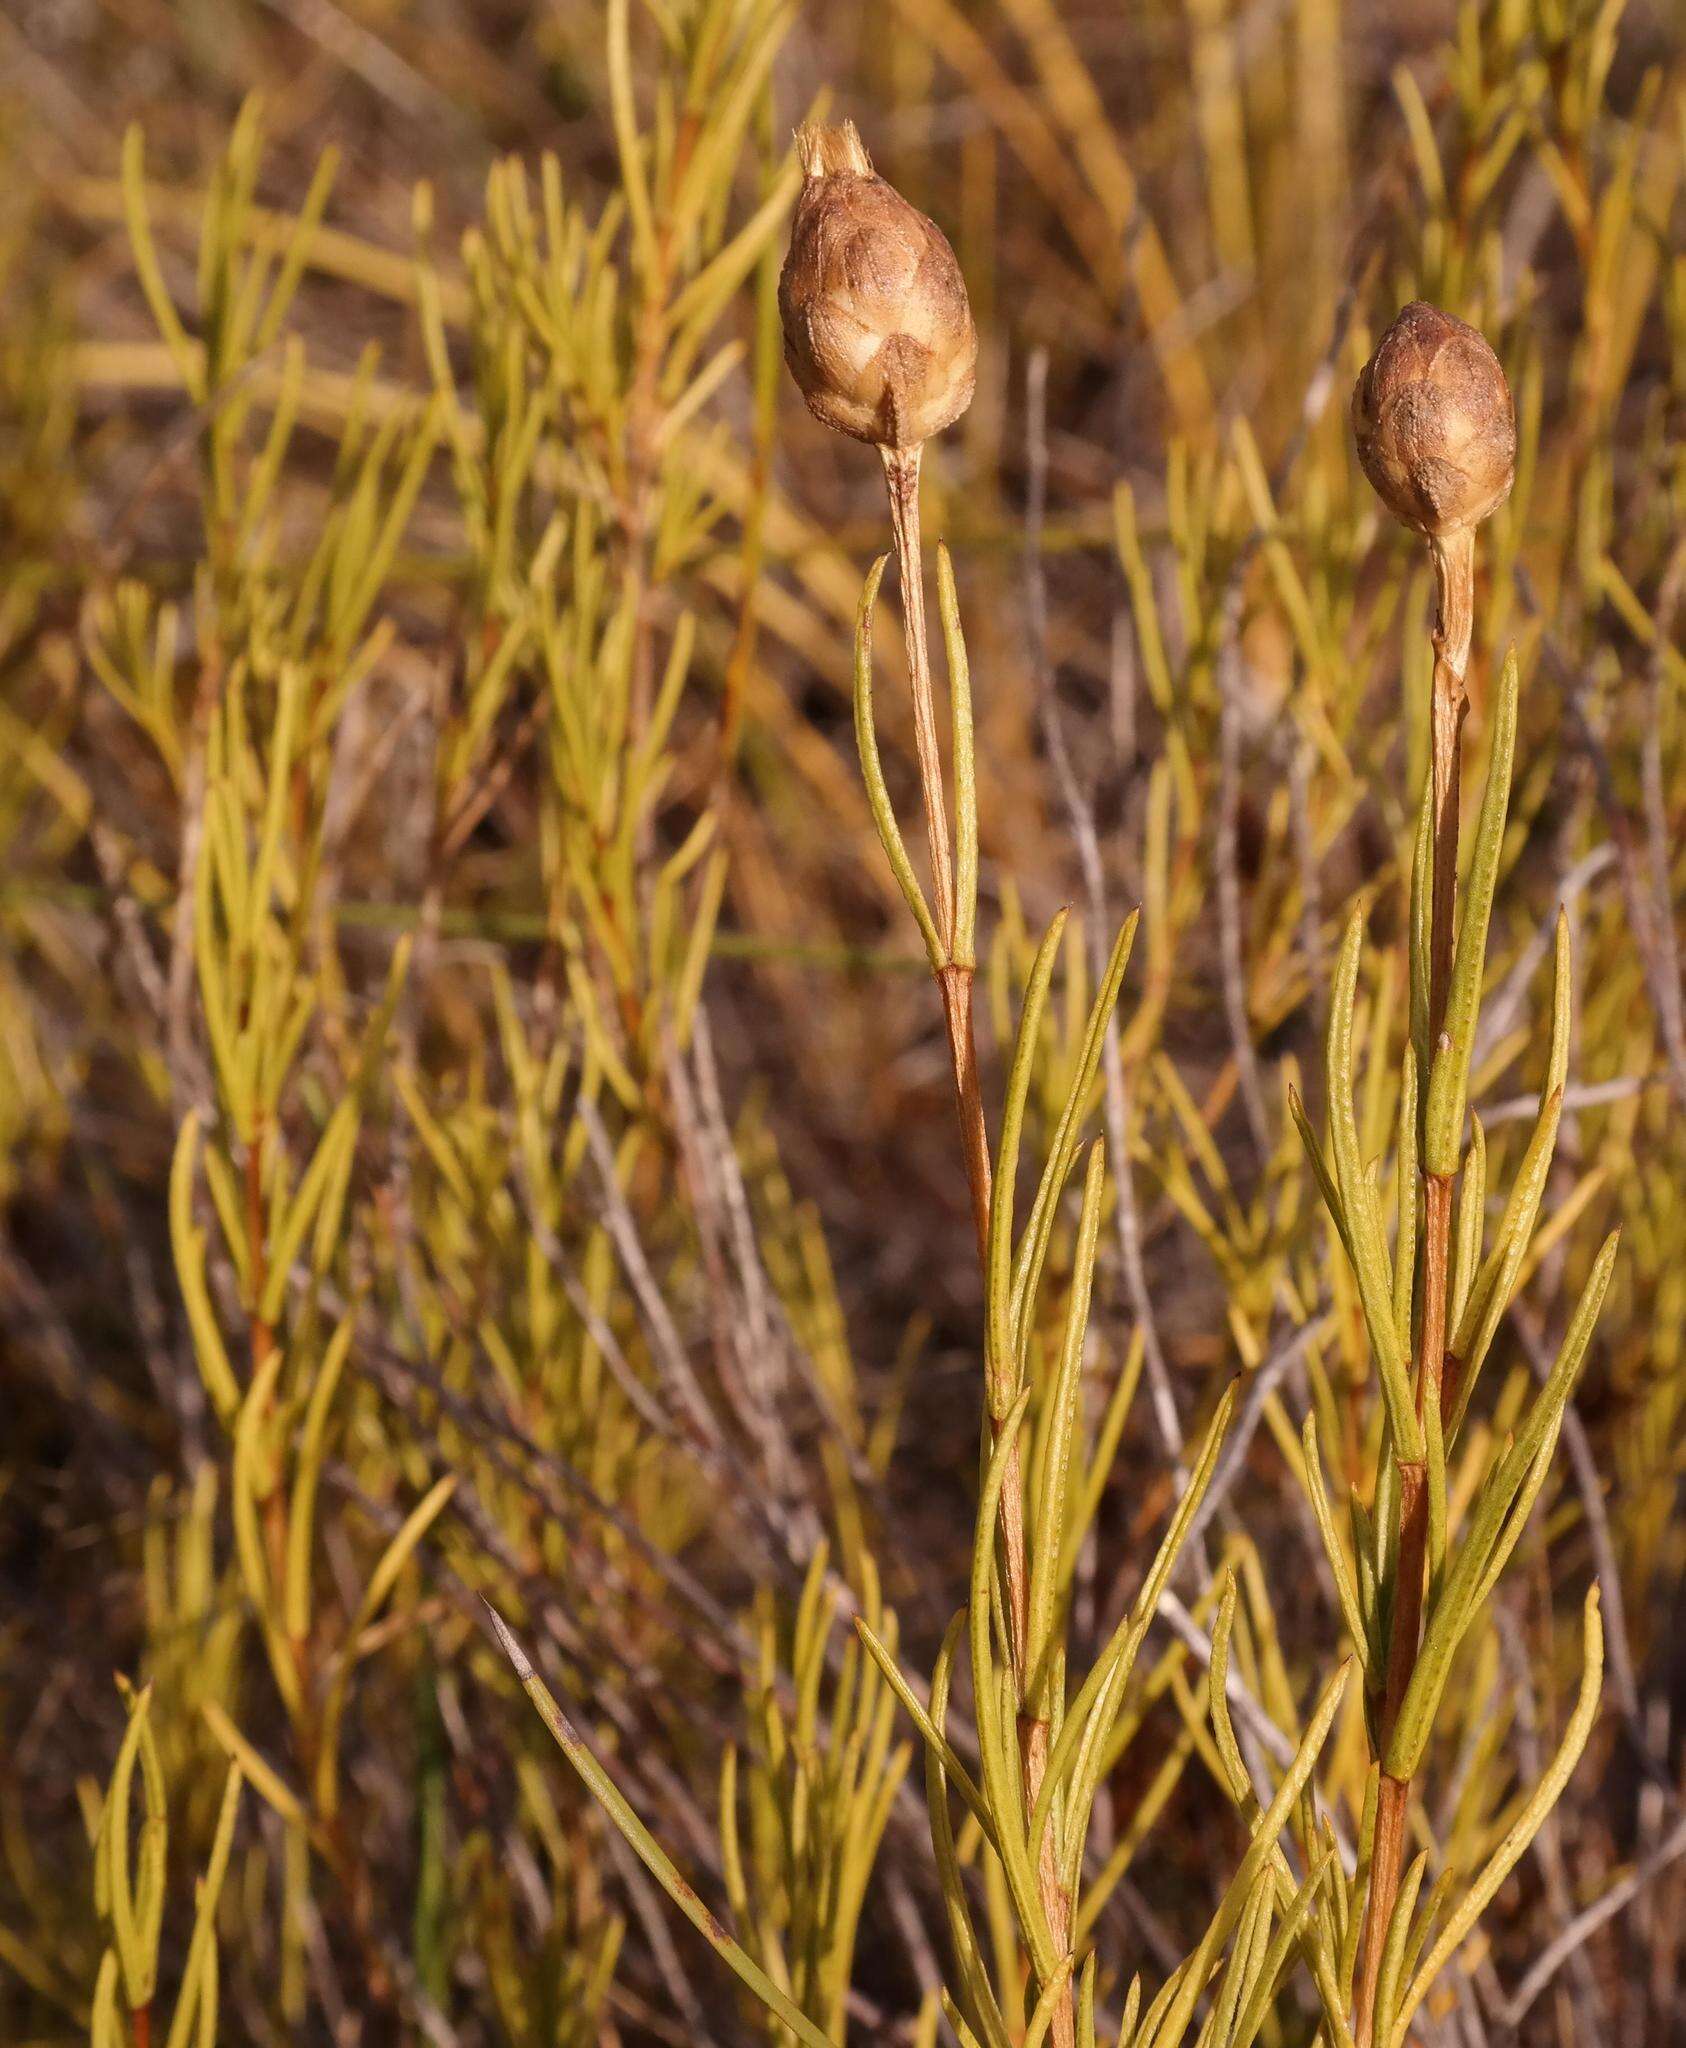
(877, 328)
(1434, 422)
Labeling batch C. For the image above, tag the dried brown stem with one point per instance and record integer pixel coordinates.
(955, 986)
(1454, 568)
(1454, 577)
(901, 473)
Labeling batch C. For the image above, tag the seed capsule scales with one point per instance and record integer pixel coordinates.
(877, 328)
(1434, 422)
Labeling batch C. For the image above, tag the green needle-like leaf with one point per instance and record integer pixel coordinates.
(1002, 1354)
(1048, 1524)
(872, 771)
(1522, 1830)
(646, 1848)
(1358, 1205)
(965, 766)
(1443, 1121)
(1253, 1865)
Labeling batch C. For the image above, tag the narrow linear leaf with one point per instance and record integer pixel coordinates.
(648, 1851)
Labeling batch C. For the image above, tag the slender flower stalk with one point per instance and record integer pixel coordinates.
(879, 335)
(1436, 434)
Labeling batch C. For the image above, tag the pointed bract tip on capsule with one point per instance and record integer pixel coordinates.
(825, 151)
(878, 331)
(1435, 424)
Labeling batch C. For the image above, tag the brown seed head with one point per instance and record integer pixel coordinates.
(1434, 422)
(877, 328)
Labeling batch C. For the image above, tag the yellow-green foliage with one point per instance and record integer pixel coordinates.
(476, 1125)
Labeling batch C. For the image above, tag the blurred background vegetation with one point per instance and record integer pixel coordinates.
(471, 1120)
